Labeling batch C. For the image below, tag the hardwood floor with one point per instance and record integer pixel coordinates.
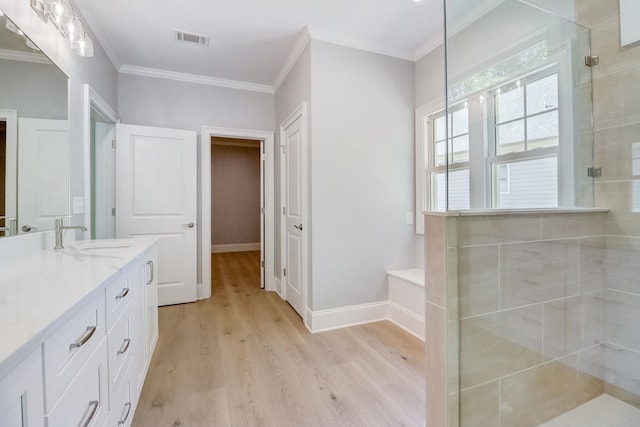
(244, 358)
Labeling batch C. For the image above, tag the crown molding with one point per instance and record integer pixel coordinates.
(295, 53)
(15, 55)
(194, 78)
(428, 46)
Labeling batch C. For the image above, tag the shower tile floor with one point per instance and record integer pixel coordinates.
(604, 410)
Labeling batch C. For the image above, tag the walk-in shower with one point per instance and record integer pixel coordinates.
(532, 235)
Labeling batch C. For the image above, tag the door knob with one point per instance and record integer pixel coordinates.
(190, 225)
(298, 227)
(27, 228)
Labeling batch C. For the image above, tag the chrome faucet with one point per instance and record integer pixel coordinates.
(60, 227)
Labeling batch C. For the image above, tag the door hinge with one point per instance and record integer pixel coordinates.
(113, 211)
(594, 172)
(262, 264)
(262, 211)
(284, 211)
(113, 144)
(591, 60)
(284, 271)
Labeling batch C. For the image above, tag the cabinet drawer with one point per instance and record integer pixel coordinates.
(84, 402)
(120, 348)
(118, 294)
(122, 407)
(69, 347)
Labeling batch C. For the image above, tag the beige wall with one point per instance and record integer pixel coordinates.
(235, 193)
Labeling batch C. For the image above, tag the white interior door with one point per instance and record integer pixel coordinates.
(156, 196)
(43, 172)
(293, 205)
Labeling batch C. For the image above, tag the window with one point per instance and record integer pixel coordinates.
(502, 146)
(455, 144)
(525, 136)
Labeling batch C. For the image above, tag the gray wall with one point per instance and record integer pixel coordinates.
(235, 194)
(362, 173)
(34, 90)
(295, 90)
(158, 102)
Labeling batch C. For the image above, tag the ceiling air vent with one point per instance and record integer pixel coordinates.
(181, 36)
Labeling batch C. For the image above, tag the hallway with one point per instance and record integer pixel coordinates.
(244, 358)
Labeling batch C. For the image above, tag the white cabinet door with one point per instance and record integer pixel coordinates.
(156, 196)
(21, 394)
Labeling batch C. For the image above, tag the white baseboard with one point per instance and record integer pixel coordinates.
(279, 287)
(336, 318)
(344, 317)
(407, 320)
(240, 247)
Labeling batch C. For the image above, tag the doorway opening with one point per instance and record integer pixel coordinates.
(237, 196)
(267, 213)
(103, 176)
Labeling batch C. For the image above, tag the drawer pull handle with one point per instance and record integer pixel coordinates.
(125, 346)
(122, 294)
(84, 338)
(91, 412)
(127, 407)
(153, 273)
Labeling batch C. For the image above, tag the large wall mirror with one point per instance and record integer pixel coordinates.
(34, 136)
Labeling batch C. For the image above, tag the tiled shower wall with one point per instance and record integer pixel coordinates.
(616, 120)
(517, 308)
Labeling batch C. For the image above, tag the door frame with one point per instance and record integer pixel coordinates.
(299, 113)
(91, 98)
(11, 168)
(205, 206)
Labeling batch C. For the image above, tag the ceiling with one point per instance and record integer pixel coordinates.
(251, 40)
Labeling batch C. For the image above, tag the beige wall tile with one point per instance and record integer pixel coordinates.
(436, 372)
(499, 344)
(591, 373)
(452, 286)
(491, 229)
(613, 151)
(623, 268)
(572, 324)
(538, 271)
(616, 99)
(623, 319)
(591, 13)
(480, 406)
(539, 394)
(478, 279)
(623, 376)
(593, 264)
(435, 259)
(605, 42)
(567, 225)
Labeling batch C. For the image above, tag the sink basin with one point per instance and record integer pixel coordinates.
(101, 245)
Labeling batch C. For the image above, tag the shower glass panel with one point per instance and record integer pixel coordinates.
(519, 109)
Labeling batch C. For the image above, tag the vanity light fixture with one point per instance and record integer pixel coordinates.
(66, 21)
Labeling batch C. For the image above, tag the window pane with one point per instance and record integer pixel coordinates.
(458, 190)
(531, 184)
(461, 149)
(439, 153)
(542, 94)
(542, 130)
(510, 105)
(510, 137)
(460, 122)
(439, 131)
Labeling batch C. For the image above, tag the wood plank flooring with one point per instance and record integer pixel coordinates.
(244, 358)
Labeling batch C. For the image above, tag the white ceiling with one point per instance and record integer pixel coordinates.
(251, 40)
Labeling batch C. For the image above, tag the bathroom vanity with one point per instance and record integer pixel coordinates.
(78, 328)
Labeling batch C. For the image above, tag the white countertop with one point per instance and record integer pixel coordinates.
(40, 291)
